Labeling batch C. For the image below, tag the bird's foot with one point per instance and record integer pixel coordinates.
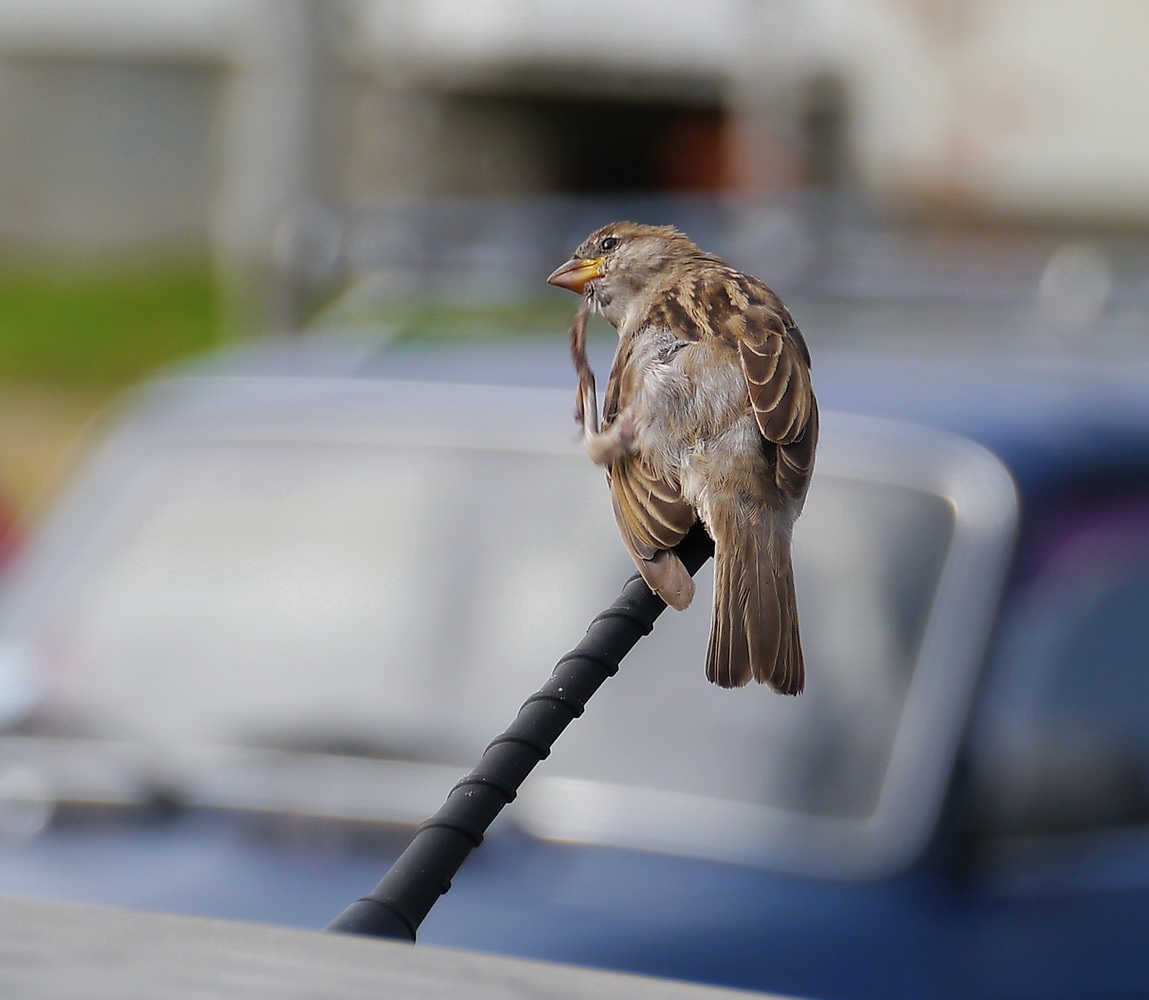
(612, 443)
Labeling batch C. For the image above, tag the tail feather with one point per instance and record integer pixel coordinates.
(667, 577)
(754, 633)
(728, 661)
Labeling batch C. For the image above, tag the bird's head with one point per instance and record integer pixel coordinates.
(622, 260)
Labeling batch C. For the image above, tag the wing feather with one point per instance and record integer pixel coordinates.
(649, 508)
(651, 513)
(776, 364)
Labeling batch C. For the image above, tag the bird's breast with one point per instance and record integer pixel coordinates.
(691, 410)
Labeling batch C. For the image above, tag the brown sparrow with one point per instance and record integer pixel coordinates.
(709, 413)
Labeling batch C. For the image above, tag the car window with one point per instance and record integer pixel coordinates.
(867, 561)
(238, 591)
(1065, 735)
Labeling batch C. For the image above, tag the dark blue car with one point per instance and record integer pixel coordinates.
(278, 615)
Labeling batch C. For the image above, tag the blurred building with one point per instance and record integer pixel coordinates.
(1023, 109)
(107, 123)
(122, 122)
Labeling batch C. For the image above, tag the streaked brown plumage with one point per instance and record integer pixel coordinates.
(709, 413)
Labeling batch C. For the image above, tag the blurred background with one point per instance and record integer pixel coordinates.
(183, 175)
(952, 196)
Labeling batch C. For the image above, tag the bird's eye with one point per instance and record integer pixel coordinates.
(609, 243)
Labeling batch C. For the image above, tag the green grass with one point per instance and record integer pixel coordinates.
(114, 325)
(110, 326)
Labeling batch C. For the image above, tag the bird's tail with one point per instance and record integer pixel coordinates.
(754, 632)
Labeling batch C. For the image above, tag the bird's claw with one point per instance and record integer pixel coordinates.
(612, 443)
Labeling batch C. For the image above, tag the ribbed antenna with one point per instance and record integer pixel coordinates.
(423, 872)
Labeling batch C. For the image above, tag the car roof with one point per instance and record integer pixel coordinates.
(1054, 418)
(73, 950)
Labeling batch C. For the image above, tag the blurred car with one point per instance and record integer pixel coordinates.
(294, 595)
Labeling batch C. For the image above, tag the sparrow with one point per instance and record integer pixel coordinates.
(709, 414)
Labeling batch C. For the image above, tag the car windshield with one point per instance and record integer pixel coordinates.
(324, 588)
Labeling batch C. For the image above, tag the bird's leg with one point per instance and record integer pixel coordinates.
(603, 446)
(586, 399)
(586, 407)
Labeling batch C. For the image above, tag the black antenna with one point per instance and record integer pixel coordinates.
(423, 872)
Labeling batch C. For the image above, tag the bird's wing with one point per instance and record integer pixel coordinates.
(650, 510)
(651, 513)
(776, 364)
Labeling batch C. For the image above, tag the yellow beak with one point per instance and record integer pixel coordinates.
(575, 273)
